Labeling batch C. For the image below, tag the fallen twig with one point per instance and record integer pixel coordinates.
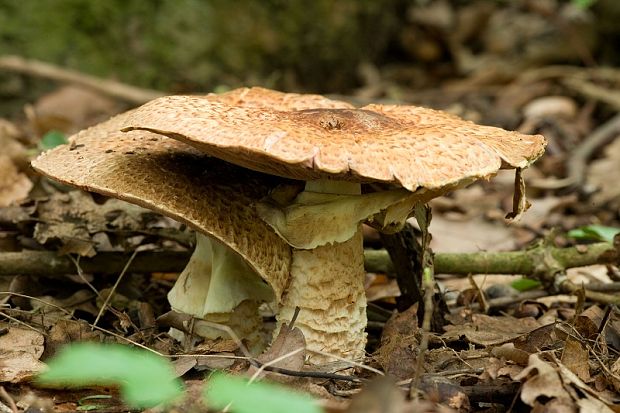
(50, 264)
(528, 262)
(593, 91)
(104, 306)
(577, 162)
(108, 87)
(7, 398)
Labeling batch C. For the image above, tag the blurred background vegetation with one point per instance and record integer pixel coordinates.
(324, 46)
(197, 44)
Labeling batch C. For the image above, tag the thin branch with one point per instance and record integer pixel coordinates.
(114, 287)
(577, 162)
(108, 87)
(7, 398)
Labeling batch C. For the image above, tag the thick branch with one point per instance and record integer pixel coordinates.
(50, 264)
(526, 262)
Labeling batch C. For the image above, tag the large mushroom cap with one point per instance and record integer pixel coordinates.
(410, 146)
(212, 196)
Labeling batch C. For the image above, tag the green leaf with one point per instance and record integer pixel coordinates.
(145, 379)
(51, 140)
(594, 233)
(255, 398)
(525, 284)
(584, 4)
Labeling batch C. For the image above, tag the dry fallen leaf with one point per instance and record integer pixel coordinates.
(74, 218)
(18, 366)
(69, 109)
(601, 170)
(486, 330)
(20, 350)
(67, 331)
(22, 339)
(541, 379)
(379, 396)
(615, 375)
(553, 383)
(14, 185)
(397, 353)
(575, 356)
(288, 348)
(538, 339)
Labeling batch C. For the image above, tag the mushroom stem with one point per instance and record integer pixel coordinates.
(218, 286)
(327, 284)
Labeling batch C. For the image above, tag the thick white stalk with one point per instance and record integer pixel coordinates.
(327, 284)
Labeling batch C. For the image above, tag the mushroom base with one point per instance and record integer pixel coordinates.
(244, 321)
(327, 284)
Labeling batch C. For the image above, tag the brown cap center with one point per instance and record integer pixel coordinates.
(346, 120)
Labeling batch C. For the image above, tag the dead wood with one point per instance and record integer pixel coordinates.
(528, 262)
(108, 87)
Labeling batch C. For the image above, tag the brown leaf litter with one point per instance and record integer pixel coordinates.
(20, 351)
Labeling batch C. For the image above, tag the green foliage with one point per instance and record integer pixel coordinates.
(583, 4)
(594, 233)
(145, 379)
(525, 284)
(223, 390)
(51, 140)
(194, 44)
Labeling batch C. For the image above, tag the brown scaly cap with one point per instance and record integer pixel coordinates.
(406, 145)
(170, 177)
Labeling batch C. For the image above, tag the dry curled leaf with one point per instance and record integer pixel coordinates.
(399, 343)
(486, 330)
(14, 185)
(22, 339)
(379, 396)
(18, 366)
(599, 172)
(69, 109)
(541, 380)
(288, 348)
(20, 350)
(575, 356)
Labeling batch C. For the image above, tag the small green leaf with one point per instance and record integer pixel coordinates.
(584, 4)
(52, 139)
(255, 398)
(144, 378)
(525, 284)
(594, 233)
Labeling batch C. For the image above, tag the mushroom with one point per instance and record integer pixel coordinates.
(238, 261)
(402, 155)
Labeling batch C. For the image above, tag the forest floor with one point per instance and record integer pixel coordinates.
(77, 266)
